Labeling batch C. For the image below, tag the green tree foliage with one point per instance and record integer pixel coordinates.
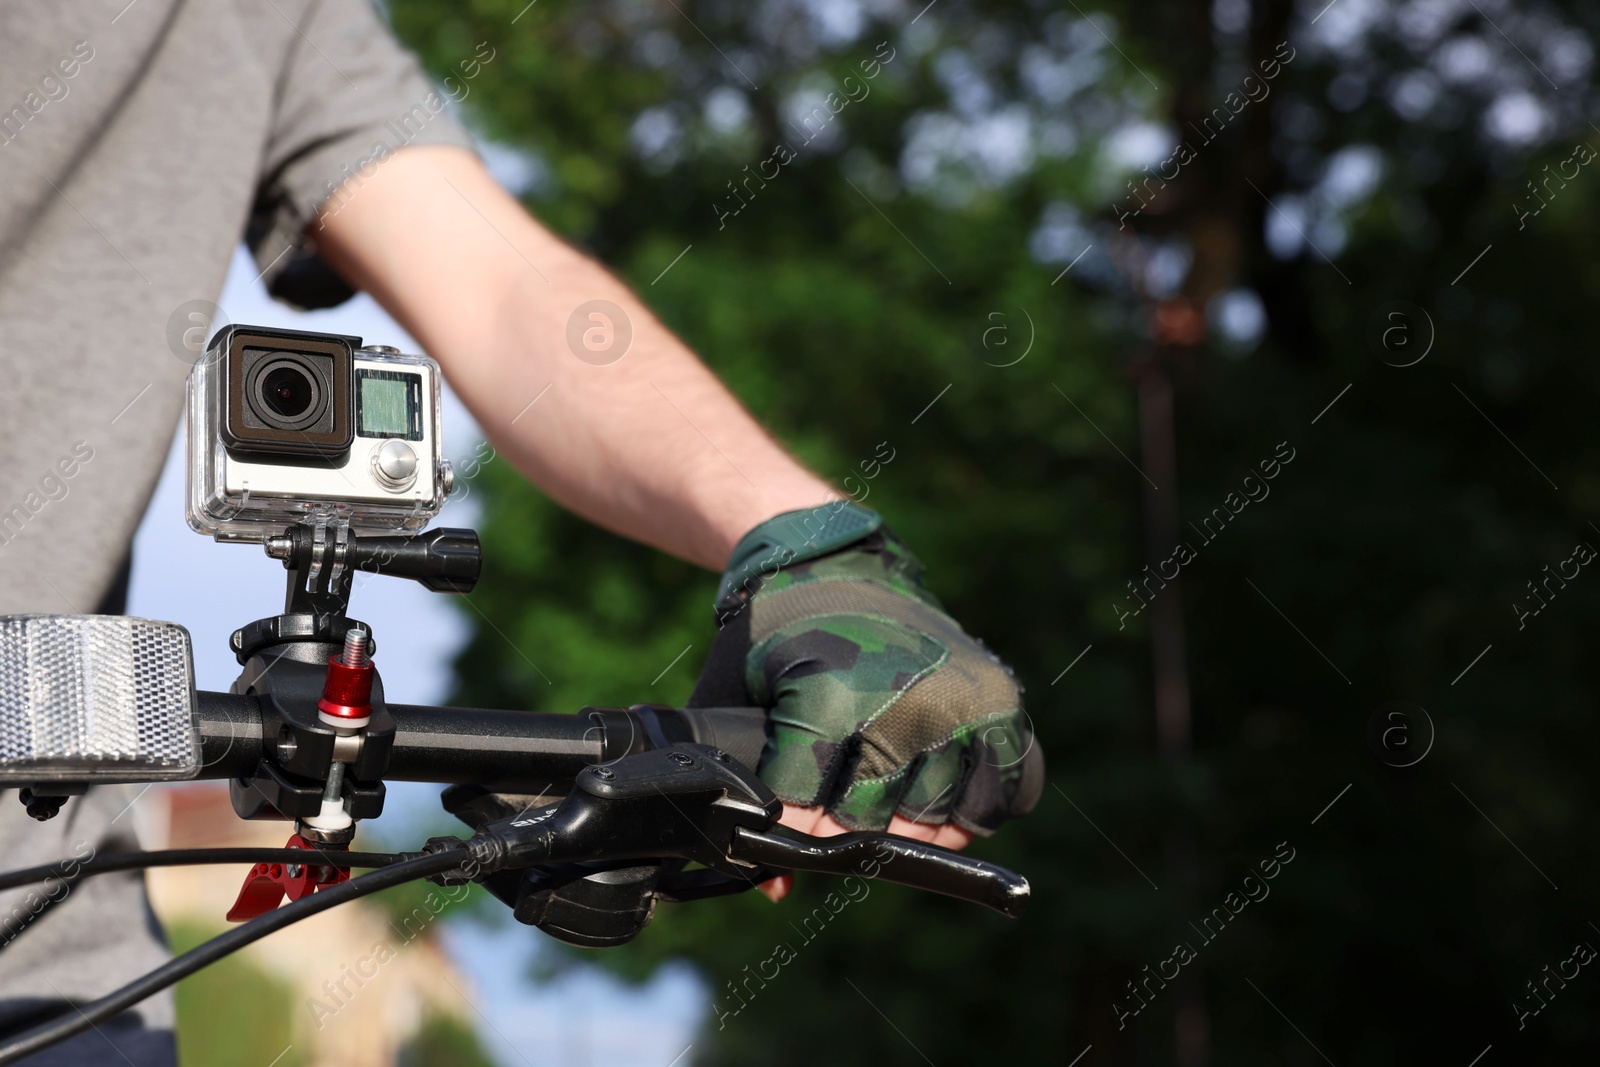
(866, 281)
(211, 1027)
(444, 1041)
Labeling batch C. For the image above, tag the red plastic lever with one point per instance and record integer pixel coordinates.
(268, 883)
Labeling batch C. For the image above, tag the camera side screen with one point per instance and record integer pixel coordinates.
(388, 404)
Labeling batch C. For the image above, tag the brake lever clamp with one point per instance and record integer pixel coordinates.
(588, 870)
(685, 801)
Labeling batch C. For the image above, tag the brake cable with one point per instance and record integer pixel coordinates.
(69, 871)
(112, 1004)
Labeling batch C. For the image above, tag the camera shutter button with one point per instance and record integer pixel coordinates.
(395, 465)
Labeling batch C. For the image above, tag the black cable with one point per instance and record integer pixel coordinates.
(169, 973)
(70, 870)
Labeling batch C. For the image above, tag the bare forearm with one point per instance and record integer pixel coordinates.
(650, 445)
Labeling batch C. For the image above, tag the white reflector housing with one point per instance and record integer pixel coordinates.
(96, 698)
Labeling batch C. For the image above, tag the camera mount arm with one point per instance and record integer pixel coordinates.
(321, 559)
(312, 669)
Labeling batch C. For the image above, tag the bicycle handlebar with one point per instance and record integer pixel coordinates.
(501, 751)
(646, 792)
(540, 754)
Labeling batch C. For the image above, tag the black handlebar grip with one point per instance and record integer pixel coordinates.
(900, 860)
(740, 732)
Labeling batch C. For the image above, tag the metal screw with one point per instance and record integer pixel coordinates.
(355, 648)
(682, 759)
(604, 772)
(335, 783)
(719, 755)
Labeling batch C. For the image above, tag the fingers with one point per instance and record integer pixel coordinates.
(947, 836)
(920, 831)
(952, 836)
(818, 823)
(828, 826)
(802, 819)
(805, 820)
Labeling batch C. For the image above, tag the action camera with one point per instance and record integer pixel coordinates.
(287, 426)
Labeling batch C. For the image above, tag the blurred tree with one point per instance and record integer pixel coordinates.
(972, 182)
(444, 1041)
(209, 1032)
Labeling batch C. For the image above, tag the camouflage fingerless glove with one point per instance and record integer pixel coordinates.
(880, 703)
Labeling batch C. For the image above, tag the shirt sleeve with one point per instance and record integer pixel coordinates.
(348, 97)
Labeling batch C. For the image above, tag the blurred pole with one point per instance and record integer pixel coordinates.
(1176, 327)
(1158, 447)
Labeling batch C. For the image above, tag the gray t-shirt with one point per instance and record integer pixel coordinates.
(138, 143)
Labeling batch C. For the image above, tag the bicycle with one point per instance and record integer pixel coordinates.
(651, 803)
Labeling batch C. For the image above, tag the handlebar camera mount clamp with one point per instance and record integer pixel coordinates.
(326, 733)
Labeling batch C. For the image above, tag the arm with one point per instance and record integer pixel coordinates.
(651, 446)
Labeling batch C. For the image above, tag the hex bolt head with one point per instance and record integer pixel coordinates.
(682, 759)
(605, 773)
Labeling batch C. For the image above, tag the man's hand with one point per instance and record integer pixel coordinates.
(885, 714)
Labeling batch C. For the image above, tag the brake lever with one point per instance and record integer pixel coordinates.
(901, 860)
(692, 802)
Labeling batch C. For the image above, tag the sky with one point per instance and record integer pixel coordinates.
(213, 589)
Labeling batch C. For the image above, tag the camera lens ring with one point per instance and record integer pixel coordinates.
(301, 396)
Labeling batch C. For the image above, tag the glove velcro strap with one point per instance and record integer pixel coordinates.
(793, 537)
(850, 596)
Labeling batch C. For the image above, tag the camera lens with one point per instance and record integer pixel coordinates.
(288, 390)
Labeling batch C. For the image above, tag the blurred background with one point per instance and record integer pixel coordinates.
(1240, 394)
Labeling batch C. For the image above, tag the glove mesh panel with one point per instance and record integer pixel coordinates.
(931, 710)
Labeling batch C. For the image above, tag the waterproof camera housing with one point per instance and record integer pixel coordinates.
(286, 426)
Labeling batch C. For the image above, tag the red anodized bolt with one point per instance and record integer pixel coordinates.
(347, 692)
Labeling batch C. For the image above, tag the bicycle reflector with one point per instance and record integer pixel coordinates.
(92, 697)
